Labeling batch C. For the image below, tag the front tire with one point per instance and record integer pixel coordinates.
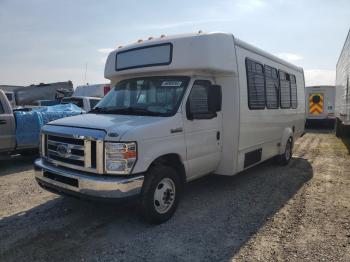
(287, 155)
(160, 194)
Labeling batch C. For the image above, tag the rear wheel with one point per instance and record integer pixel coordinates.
(288, 152)
(160, 194)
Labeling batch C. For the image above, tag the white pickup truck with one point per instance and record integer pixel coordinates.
(84, 102)
(180, 107)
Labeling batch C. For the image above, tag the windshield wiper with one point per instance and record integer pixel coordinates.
(96, 110)
(137, 111)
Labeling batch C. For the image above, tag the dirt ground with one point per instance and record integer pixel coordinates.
(300, 212)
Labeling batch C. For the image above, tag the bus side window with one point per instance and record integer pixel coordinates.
(255, 85)
(285, 94)
(293, 90)
(272, 87)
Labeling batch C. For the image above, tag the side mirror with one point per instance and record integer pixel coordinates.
(214, 98)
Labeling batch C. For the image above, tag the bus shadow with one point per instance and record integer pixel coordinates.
(216, 217)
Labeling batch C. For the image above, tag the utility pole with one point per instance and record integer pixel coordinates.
(85, 74)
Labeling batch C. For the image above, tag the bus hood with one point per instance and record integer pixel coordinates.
(115, 125)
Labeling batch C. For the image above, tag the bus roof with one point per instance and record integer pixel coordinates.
(193, 52)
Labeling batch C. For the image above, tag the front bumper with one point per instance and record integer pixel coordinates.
(85, 185)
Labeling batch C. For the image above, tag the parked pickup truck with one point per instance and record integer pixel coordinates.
(8, 127)
(20, 128)
(84, 102)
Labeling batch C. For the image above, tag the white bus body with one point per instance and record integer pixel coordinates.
(260, 115)
(221, 59)
(342, 97)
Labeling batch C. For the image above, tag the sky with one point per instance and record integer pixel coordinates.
(49, 41)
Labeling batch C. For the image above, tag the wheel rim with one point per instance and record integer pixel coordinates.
(164, 195)
(288, 150)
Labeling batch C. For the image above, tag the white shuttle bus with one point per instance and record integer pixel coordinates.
(180, 107)
(342, 97)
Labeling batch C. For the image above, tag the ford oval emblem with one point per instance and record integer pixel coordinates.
(63, 150)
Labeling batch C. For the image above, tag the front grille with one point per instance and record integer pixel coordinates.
(68, 151)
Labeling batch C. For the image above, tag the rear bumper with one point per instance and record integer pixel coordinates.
(329, 123)
(81, 184)
(320, 118)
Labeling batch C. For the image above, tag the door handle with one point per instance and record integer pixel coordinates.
(176, 130)
(3, 122)
(218, 135)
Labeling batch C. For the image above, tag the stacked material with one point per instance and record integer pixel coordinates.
(29, 123)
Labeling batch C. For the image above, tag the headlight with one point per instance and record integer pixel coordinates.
(120, 158)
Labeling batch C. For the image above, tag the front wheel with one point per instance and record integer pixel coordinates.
(288, 152)
(160, 194)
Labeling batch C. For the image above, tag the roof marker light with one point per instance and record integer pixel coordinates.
(150, 38)
(139, 41)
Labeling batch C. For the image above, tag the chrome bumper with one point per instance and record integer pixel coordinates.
(64, 180)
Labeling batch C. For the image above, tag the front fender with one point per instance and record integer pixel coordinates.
(287, 133)
(150, 150)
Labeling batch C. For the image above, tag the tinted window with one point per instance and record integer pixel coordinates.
(1, 109)
(142, 57)
(293, 91)
(198, 98)
(256, 85)
(9, 96)
(285, 89)
(93, 102)
(271, 83)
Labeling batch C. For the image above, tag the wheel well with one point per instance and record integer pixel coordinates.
(174, 161)
(292, 139)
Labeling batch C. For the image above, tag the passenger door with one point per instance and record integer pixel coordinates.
(202, 126)
(7, 130)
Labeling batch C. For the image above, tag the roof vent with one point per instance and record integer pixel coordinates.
(162, 36)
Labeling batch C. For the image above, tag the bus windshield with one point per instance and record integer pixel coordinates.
(153, 96)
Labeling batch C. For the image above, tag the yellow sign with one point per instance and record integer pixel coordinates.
(316, 104)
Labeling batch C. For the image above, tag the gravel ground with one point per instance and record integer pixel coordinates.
(300, 212)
